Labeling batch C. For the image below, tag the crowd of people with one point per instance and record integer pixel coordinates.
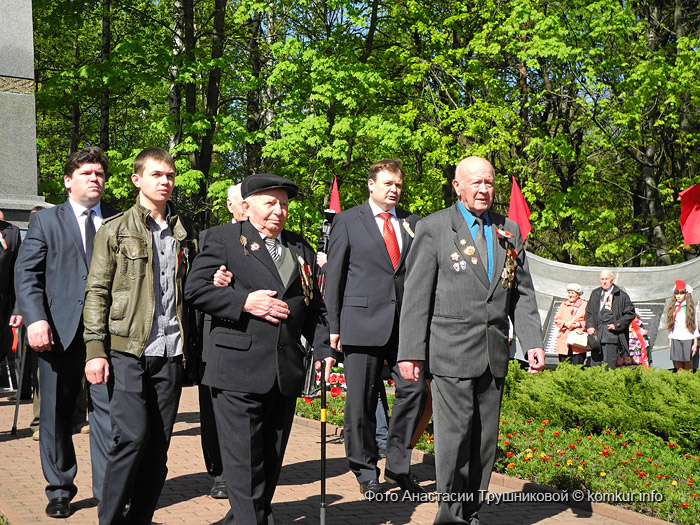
(131, 300)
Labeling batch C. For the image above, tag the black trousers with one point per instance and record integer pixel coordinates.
(254, 431)
(209, 437)
(144, 401)
(60, 380)
(363, 370)
(465, 420)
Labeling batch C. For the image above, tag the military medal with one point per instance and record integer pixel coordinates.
(184, 255)
(244, 241)
(462, 242)
(456, 267)
(307, 279)
(470, 250)
(408, 229)
(454, 256)
(475, 261)
(254, 247)
(463, 264)
(3, 242)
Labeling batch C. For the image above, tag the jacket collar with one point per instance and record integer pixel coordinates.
(172, 218)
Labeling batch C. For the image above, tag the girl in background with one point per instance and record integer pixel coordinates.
(682, 326)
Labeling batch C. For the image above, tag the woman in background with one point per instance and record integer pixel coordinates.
(571, 316)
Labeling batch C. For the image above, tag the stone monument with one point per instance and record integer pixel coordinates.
(18, 158)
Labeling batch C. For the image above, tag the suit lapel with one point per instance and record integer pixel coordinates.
(256, 247)
(296, 251)
(370, 223)
(406, 239)
(462, 233)
(70, 226)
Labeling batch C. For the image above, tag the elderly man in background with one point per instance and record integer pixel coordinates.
(609, 311)
(467, 273)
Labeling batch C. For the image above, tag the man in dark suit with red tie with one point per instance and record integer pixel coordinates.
(364, 289)
(50, 278)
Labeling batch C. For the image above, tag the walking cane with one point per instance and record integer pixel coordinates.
(323, 442)
(22, 362)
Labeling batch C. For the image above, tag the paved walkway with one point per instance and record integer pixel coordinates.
(185, 495)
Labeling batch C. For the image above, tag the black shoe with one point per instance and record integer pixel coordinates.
(218, 490)
(58, 508)
(370, 488)
(405, 481)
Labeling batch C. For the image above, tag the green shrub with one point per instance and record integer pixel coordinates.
(653, 401)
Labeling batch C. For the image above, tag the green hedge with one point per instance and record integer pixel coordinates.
(656, 402)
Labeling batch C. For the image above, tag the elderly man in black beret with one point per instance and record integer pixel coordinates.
(255, 366)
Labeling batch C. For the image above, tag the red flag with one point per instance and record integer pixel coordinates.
(518, 210)
(690, 215)
(335, 198)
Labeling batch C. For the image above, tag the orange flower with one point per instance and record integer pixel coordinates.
(684, 505)
(671, 445)
(511, 465)
(555, 433)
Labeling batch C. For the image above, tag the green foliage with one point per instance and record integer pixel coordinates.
(591, 106)
(652, 401)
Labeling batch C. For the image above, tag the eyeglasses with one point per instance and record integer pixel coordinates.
(680, 292)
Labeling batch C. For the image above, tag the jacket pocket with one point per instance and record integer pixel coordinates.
(233, 341)
(357, 301)
(134, 253)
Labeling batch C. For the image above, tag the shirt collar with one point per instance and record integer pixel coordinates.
(470, 217)
(263, 236)
(79, 209)
(376, 210)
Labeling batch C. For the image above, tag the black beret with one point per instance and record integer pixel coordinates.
(267, 181)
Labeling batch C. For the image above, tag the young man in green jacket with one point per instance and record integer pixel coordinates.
(135, 333)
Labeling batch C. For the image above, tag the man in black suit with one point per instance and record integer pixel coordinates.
(467, 275)
(255, 365)
(51, 274)
(364, 288)
(610, 311)
(10, 241)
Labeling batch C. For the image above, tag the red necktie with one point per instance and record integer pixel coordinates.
(392, 245)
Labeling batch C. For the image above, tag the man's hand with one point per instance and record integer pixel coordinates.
(97, 370)
(330, 363)
(262, 303)
(590, 330)
(16, 321)
(222, 277)
(410, 370)
(611, 326)
(335, 342)
(535, 356)
(40, 336)
(321, 259)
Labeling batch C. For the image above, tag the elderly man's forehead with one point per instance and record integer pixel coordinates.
(606, 274)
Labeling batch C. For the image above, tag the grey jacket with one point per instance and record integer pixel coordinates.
(452, 317)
